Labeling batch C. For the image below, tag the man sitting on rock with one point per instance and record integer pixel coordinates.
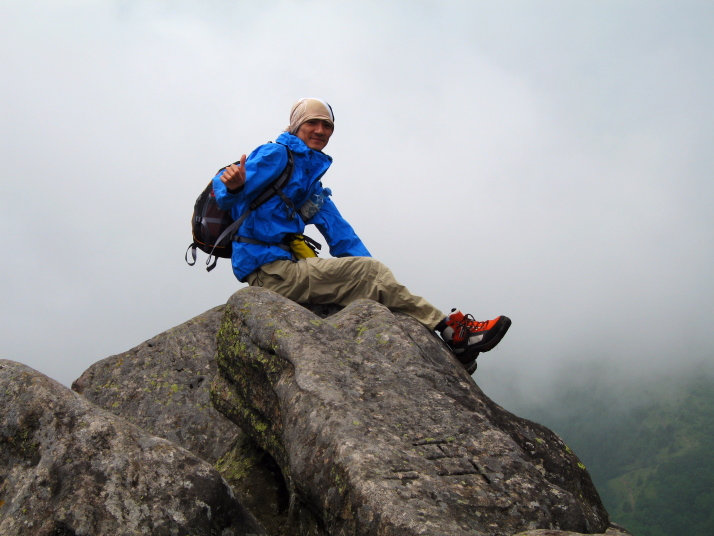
(269, 249)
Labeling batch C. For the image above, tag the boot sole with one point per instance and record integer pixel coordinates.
(505, 324)
(470, 369)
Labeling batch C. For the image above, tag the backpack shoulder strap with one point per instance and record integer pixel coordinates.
(272, 189)
(276, 186)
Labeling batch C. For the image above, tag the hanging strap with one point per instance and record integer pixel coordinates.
(313, 243)
(192, 248)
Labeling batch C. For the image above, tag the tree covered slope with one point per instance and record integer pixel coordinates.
(649, 447)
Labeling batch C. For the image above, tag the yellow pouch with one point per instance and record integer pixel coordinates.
(302, 247)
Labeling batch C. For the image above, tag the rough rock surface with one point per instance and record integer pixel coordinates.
(69, 468)
(613, 530)
(162, 386)
(378, 430)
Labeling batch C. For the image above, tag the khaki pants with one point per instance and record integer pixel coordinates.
(341, 281)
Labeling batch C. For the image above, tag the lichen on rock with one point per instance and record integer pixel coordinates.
(69, 467)
(378, 429)
(321, 419)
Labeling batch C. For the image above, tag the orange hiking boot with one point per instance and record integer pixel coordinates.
(468, 337)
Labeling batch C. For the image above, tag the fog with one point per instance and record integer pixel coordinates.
(547, 160)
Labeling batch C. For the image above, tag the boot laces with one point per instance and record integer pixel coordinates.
(468, 324)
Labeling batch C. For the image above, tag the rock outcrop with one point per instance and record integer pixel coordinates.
(322, 421)
(70, 468)
(378, 430)
(162, 386)
(613, 530)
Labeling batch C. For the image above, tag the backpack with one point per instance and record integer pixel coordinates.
(214, 229)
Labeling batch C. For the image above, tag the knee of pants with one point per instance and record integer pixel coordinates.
(376, 268)
(382, 280)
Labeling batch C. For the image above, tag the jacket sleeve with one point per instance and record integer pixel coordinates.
(340, 236)
(261, 167)
(224, 198)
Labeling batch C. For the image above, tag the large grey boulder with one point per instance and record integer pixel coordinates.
(162, 386)
(69, 468)
(378, 430)
(613, 530)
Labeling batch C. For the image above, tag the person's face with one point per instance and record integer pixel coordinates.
(315, 133)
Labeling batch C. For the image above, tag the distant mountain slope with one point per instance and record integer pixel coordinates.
(649, 448)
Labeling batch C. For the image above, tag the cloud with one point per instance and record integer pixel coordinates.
(546, 160)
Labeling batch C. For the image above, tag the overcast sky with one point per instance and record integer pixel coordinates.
(547, 160)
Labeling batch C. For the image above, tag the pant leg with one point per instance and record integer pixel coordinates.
(341, 281)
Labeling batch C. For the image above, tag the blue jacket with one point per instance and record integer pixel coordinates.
(272, 221)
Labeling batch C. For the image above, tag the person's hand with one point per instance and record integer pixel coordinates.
(234, 175)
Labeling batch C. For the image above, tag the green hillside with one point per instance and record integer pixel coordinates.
(648, 445)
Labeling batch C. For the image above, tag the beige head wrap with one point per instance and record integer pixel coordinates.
(306, 109)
